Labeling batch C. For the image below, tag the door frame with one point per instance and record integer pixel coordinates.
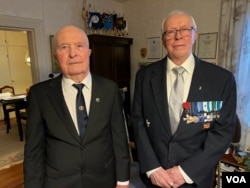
(36, 37)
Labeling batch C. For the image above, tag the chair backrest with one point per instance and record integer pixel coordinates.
(27, 90)
(7, 89)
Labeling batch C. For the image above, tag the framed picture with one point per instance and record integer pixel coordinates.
(154, 48)
(207, 45)
(55, 66)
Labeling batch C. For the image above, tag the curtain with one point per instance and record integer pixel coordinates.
(234, 55)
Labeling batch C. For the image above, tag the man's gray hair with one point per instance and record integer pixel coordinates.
(177, 12)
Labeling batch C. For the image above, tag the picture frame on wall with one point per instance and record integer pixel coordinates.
(154, 48)
(55, 66)
(207, 45)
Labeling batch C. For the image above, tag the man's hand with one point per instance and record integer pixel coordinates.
(175, 173)
(162, 178)
(122, 186)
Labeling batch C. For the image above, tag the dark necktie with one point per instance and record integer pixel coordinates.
(176, 98)
(81, 111)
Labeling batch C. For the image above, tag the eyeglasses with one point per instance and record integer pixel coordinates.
(183, 31)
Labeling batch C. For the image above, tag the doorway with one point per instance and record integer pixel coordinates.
(37, 42)
(36, 38)
(15, 61)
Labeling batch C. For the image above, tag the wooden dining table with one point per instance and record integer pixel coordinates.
(20, 103)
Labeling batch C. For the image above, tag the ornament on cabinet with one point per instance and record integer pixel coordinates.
(143, 52)
(107, 22)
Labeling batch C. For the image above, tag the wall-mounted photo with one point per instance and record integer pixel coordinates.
(207, 45)
(154, 48)
(55, 66)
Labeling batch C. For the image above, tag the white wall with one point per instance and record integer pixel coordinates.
(23, 8)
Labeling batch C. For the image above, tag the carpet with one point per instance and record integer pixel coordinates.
(11, 148)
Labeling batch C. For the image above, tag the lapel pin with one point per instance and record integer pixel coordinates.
(147, 123)
(200, 88)
(97, 99)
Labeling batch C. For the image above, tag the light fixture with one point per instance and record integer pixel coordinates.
(27, 58)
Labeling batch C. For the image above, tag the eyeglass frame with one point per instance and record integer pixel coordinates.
(165, 33)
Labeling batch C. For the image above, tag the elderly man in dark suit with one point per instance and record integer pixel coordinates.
(58, 154)
(182, 151)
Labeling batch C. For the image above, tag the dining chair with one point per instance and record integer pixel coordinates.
(21, 116)
(9, 107)
(27, 90)
(7, 88)
(23, 112)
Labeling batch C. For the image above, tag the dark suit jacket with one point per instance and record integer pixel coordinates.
(55, 157)
(195, 148)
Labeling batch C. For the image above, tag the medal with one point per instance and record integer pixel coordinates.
(202, 112)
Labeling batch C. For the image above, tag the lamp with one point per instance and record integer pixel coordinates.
(27, 58)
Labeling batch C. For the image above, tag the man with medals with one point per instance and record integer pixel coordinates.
(179, 144)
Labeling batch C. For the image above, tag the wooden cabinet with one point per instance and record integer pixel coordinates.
(110, 58)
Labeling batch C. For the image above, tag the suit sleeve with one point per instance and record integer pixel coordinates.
(34, 146)
(145, 151)
(119, 136)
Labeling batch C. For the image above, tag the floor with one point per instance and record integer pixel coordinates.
(12, 177)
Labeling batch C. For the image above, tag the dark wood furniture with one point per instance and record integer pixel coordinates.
(20, 104)
(7, 88)
(9, 107)
(110, 58)
(229, 160)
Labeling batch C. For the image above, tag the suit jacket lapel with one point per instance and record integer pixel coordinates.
(197, 82)
(158, 84)
(56, 97)
(96, 99)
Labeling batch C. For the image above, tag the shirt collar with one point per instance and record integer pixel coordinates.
(188, 64)
(67, 83)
